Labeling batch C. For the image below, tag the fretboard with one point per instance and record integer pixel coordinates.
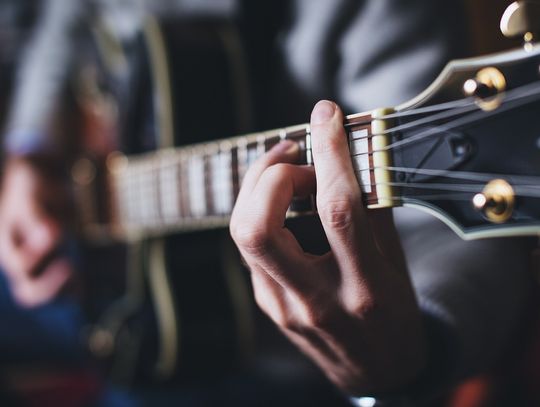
(195, 187)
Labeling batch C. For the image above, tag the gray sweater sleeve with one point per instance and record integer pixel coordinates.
(372, 53)
(477, 291)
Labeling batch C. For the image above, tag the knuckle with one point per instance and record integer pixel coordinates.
(316, 319)
(289, 323)
(253, 239)
(279, 316)
(283, 320)
(337, 213)
(367, 309)
(314, 314)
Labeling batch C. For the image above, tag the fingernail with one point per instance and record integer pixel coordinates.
(322, 112)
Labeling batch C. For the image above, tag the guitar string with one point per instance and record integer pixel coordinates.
(478, 176)
(459, 189)
(508, 104)
(432, 108)
(422, 122)
(466, 175)
(519, 190)
(464, 102)
(466, 106)
(430, 197)
(469, 119)
(416, 111)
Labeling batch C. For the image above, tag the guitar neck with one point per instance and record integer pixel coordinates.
(195, 187)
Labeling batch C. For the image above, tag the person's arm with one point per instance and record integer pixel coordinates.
(352, 310)
(380, 53)
(474, 295)
(371, 53)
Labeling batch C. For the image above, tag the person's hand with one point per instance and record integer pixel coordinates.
(31, 206)
(352, 310)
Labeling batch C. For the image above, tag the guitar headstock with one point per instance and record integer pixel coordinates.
(467, 149)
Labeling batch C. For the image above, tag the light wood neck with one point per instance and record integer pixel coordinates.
(195, 187)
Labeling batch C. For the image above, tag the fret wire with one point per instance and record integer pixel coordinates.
(196, 180)
(169, 184)
(261, 145)
(218, 168)
(138, 205)
(175, 194)
(156, 189)
(145, 188)
(210, 150)
(133, 201)
(186, 211)
(348, 125)
(235, 173)
(271, 139)
(231, 189)
(242, 155)
(252, 153)
(181, 183)
(132, 198)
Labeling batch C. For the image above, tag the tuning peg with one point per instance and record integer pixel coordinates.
(522, 19)
(496, 201)
(486, 87)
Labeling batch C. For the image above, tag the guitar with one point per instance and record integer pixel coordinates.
(451, 151)
(466, 150)
(160, 308)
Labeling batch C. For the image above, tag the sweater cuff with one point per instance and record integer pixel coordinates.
(437, 377)
(23, 143)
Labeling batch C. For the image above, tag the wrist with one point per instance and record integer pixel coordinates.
(433, 382)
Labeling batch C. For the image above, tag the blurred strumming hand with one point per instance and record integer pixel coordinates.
(31, 209)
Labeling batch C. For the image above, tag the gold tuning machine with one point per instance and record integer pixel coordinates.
(496, 201)
(522, 19)
(487, 88)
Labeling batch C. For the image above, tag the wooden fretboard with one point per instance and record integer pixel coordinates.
(195, 187)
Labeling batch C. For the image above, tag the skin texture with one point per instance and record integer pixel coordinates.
(31, 232)
(351, 310)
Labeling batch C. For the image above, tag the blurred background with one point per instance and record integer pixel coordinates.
(158, 321)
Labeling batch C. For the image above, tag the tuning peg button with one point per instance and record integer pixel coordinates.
(496, 202)
(521, 19)
(486, 87)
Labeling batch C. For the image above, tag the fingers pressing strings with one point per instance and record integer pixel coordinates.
(257, 222)
(338, 194)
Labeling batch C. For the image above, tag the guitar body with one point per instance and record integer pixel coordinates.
(182, 308)
(451, 151)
